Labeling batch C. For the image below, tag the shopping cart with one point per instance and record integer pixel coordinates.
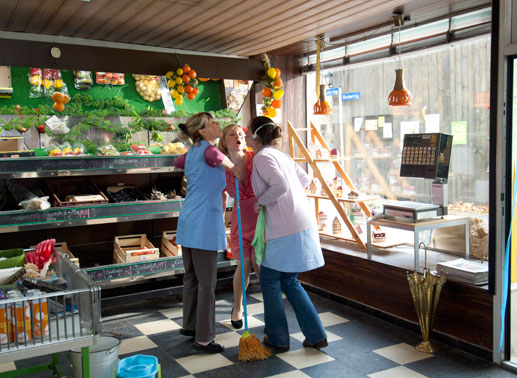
(48, 323)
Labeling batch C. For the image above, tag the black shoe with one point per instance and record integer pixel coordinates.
(237, 324)
(187, 332)
(321, 344)
(274, 347)
(213, 347)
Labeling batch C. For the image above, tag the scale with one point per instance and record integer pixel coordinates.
(424, 156)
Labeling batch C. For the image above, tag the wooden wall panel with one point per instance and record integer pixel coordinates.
(464, 311)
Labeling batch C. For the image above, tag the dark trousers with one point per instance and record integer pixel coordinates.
(199, 292)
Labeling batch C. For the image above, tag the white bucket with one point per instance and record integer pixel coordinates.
(103, 358)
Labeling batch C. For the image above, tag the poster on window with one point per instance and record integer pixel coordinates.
(432, 123)
(459, 132)
(411, 127)
(358, 123)
(370, 124)
(387, 130)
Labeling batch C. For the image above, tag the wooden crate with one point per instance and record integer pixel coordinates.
(169, 246)
(132, 248)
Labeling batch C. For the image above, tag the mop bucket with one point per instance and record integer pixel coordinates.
(103, 357)
(138, 366)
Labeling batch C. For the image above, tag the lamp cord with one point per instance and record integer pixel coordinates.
(400, 48)
(318, 48)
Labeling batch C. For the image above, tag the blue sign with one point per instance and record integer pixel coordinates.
(332, 92)
(351, 96)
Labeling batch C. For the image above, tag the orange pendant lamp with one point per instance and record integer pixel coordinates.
(321, 107)
(400, 95)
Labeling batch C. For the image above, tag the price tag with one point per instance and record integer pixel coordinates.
(166, 95)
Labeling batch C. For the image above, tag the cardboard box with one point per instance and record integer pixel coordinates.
(11, 144)
(134, 248)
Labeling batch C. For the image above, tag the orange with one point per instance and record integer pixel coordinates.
(266, 92)
(189, 88)
(195, 91)
(278, 83)
(192, 74)
(278, 72)
(185, 78)
(277, 104)
(186, 68)
(191, 96)
(203, 79)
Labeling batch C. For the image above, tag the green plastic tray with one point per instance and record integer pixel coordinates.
(13, 257)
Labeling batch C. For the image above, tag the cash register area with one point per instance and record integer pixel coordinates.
(360, 344)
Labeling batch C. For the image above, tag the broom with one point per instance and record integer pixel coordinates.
(250, 348)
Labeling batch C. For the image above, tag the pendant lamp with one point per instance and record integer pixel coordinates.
(321, 107)
(400, 95)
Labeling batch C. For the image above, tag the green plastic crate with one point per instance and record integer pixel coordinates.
(13, 257)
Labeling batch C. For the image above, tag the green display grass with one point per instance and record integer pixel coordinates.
(208, 99)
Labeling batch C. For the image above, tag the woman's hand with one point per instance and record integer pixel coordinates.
(257, 207)
(237, 172)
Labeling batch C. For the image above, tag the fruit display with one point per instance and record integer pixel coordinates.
(273, 91)
(109, 78)
(140, 149)
(43, 254)
(182, 83)
(60, 99)
(108, 150)
(82, 80)
(174, 148)
(148, 87)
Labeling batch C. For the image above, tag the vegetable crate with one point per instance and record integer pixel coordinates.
(133, 248)
(169, 246)
(75, 192)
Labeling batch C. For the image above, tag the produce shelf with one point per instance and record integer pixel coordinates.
(110, 275)
(85, 165)
(26, 220)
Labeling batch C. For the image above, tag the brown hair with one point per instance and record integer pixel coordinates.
(222, 141)
(189, 131)
(267, 135)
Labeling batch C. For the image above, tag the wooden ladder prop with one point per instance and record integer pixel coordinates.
(294, 138)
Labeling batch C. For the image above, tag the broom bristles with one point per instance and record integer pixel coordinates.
(250, 349)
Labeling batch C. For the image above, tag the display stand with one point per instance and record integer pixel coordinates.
(294, 139)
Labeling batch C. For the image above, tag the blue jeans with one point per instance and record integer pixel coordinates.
(273, 283)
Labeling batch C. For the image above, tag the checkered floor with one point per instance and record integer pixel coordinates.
(360, 345)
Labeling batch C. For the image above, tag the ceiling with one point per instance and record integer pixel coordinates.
(237, 28)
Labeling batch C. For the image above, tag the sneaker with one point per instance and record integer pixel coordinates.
(274, 347)
(213, 347)
(187, 332)
(321, 344)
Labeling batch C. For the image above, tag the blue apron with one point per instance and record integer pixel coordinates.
(201, 220)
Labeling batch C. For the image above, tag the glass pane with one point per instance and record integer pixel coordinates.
(513, 265)
(450, 86)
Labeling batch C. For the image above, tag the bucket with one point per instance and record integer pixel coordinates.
(137, 366)
(103, 358)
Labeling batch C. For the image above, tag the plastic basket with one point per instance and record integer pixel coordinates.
(138, 366)
(13, 258)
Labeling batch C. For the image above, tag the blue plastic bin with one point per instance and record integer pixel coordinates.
(138, 366)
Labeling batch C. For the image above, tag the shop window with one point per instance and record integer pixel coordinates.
(450, 85)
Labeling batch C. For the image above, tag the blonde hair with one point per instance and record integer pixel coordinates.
(222, 141)
(189, 131)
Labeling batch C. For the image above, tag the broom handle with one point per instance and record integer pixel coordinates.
(241, 253)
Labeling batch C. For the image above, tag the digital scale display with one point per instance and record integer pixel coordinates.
(426, 155)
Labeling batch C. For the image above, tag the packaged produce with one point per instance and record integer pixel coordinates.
(109, 78)
(54, 150)
(148, 87)
(82, 80)
(174, 148)
(60, 99)
(66, 149)
(140, 149)
(78, 149)
(109, 150)
(52, 82)
(36, 89)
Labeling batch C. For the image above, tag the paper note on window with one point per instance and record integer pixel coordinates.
(387, 131)
(358, 123)
(370, 124)
(459, 132)
(432, 123)
(380, 121)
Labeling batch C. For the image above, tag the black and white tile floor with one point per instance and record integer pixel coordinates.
(360, 345)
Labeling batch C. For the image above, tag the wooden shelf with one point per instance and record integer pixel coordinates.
(349, 200)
